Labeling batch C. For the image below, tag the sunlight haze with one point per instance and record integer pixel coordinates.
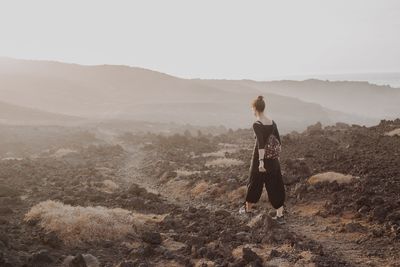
(209, 39)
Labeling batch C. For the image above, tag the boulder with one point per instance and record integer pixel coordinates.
(41, 258)
(78, 261)
(251, 256)
(81, 260)
(152, 238)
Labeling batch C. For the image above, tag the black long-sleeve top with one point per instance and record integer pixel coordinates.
(262, 132)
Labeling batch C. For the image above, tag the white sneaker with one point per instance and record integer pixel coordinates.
(279, 216)
(242, 209)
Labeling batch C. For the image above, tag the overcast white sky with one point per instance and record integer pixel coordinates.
(208, 38)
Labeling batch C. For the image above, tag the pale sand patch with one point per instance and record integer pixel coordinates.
(228, 145)
(330, 177)
(11, 158)
(280, 262)
(393, 132)
(63, 152)
(169, 263)
(185, 173)
(172, 245)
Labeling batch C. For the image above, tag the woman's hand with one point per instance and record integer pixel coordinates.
(261, 166)
(261, 153)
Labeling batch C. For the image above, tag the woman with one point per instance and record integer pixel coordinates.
(264, 171)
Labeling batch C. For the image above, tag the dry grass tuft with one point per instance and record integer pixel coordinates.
(76, 224)
(237, 194)
(217, 190)
(200, 188)
(109, 186)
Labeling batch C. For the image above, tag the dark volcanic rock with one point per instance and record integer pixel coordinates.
(251, 256)
(135, 189)
(151, 238)
(3, 261)
(379, 213)
(274, 253)
(78, 261)
(127, 264)
(52, 240)
(81, 260)
(395, 216)
(40, 259)
(4, 239)
(143, 252)
(353, 227)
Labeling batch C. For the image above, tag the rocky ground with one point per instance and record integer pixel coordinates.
(183, 192)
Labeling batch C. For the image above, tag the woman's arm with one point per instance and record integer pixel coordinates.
(261, 144)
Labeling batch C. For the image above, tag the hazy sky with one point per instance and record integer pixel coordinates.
(208, 39)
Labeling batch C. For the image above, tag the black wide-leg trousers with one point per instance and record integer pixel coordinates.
(272, 179)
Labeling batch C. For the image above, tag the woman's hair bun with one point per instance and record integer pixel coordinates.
(259, 103)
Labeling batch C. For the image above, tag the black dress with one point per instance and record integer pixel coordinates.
(272, 178)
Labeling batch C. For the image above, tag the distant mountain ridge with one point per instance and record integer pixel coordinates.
(13, 114)
(378, 78)
(130, 93)
(361, 98)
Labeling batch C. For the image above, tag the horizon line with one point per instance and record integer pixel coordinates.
(272, 78)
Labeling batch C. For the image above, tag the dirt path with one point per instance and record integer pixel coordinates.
(327, 232)
(132, 173)
(300, 219)
(131, 170)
